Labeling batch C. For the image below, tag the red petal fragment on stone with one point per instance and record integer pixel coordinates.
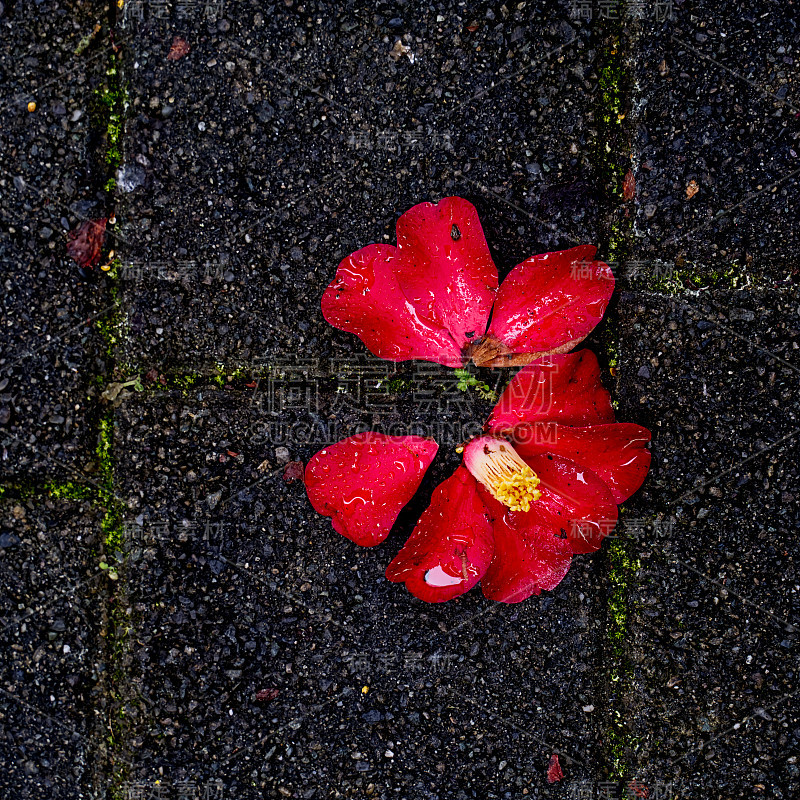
(293, 472)
(576, 501)
(529, 555)
(451, 547)
(448, 273)
(554, 772)
(85, 243)
(365, 299)
(551, 302)
(617, 453)
(560, 388)
(180, 47)
(364, 481)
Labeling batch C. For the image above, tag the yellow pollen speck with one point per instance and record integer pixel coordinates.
(32, 106)
(509, 479)
(364, 689)
(460, 448)
(518, 491)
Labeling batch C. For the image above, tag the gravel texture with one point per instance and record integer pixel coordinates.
(246, 649)
(236, 590)
(718, 104)
(714, 636)
(287, 139)
(51, 608)
(48, 177)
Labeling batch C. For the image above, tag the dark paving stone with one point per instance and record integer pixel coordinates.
(714, 640)
(719, 104)
(237, 588)
(48, 181)
(50, 615)
(283, 141)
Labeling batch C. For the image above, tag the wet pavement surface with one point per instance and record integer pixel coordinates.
(51, 670)
(177, 622)
(50, 350)
(715, 641)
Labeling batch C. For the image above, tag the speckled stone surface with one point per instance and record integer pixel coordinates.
(246, 649)
(51, 673)
(48, 172)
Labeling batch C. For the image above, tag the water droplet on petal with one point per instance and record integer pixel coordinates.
(438, 577)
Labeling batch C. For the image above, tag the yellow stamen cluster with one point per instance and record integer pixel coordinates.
(510, 480)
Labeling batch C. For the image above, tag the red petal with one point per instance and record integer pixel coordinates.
(554, 772)
(552, 301)
(451, 547)
(577, 503)
(617, 453)
(180, 47)
(449, 275)
(528, 554)
(561, 388)
(365, 299)
(363, 482)
(85, 243)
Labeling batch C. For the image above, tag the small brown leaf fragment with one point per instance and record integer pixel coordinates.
(399, 50)
(180, 47)
(629, 186)
(266, 695)
(112, 391)
(692, 189)
(663, 69)
(85, 243)
(293, 471)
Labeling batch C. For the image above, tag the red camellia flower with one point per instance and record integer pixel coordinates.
(431, 297)
(541, 484)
